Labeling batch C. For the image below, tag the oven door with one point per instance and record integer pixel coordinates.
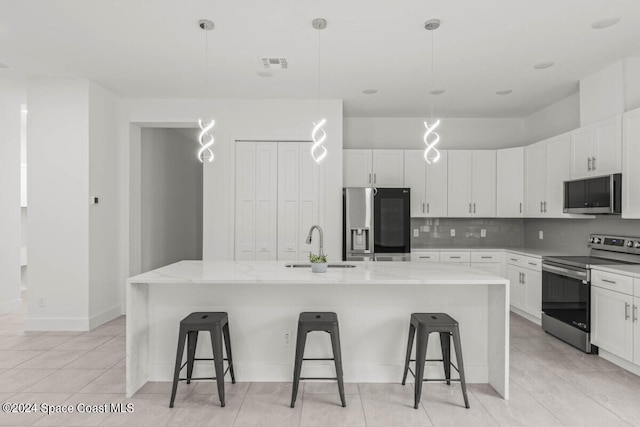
(566, 295)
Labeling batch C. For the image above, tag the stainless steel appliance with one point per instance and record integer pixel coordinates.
(376, 224)
(566, 287)
(599, 195)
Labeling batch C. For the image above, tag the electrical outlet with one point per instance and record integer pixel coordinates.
(425, 228)
(416, 232)
(286, 339)
(453, 232)
(483, 232)
(540, 235)
(41, 302)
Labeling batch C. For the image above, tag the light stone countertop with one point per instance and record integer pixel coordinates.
(275, 272)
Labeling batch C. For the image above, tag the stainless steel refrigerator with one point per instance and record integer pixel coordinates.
(376, 224)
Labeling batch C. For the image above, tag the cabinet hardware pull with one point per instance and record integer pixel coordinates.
(423, 207)
(541, 207)
(593, 163)
(513, 259)
(533, 263)
(545, 207)
(486, 257)
(426, 257)
(374, 177)
(469, 207)
(454, 257)
(520, 207)
(613, 282)
(427, 207)
(626, 310)
(524, 278)
(589, 164)
(635, 313)
(369, 178)
(474, 208)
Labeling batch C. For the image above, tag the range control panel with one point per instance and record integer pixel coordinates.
(629, 245)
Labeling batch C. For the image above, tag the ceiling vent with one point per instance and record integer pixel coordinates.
(274, 63)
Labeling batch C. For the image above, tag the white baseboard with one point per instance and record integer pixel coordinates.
(13, 306)
(105, 316)
(624, 364)
(71, 323)
(526, 315)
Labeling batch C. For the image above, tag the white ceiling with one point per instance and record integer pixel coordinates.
(154, 48)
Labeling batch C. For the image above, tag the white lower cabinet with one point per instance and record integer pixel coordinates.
(636, 327)
(525, 276)
(612, 322)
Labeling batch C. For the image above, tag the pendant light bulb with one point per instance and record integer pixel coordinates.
(431, 137)
(205, 137)
(318, 134)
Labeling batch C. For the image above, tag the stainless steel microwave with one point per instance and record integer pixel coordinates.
(598, 195)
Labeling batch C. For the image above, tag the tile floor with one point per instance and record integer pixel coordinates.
(552, 384)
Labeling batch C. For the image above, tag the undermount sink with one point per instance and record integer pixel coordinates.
(297, 265)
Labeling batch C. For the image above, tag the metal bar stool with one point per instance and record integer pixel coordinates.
(218, 325)
(447, 327)
(309, 322)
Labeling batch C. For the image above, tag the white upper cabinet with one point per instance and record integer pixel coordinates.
(366, 168)
(357, 168)
(388, 166)
(428, 184)
(596, 149)
(471, 179)
(630, 169)
(546, 165)
(510, 183)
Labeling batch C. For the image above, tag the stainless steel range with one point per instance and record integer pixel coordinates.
(566, 287)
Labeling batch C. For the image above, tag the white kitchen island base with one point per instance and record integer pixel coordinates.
(373, 301)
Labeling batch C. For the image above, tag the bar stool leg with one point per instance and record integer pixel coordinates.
(216, 341)
(421, 355)
(227, 344)
(192, 341)
(445, 345)
(337, 360)
(301, 340)
(458, 349)
(176, 371)
(412, 333)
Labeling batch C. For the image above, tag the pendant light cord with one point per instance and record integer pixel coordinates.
(432, 72)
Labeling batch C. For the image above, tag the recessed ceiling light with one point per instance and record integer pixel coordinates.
(437, 91)
(543, 65)
(263, 73)
(370, 91)
(503, 92)
(605, 23)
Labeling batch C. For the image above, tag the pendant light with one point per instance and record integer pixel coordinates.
(318, 134)
(431, 138)
(205, 138)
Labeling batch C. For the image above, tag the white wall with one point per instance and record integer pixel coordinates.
(632, 82)
(602, 94)
(455, 133)
(171, 205)
(104, 266)
(557, 118)
(235, 119)
(58, 185)
(11, 96)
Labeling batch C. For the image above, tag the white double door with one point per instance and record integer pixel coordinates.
(276, 199)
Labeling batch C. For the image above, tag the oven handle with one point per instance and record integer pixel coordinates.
(574, 274)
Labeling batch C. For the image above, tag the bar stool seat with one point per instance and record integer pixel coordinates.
(217, 324)
(324, 322)
(424, 324)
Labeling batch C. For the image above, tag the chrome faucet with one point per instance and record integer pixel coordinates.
(321, 238)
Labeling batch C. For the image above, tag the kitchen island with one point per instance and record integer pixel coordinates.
(373, 301)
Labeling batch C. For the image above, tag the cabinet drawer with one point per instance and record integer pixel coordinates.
(486, 256)
(425, 256)
(463, 257)
(612, 281)
(524, 261)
